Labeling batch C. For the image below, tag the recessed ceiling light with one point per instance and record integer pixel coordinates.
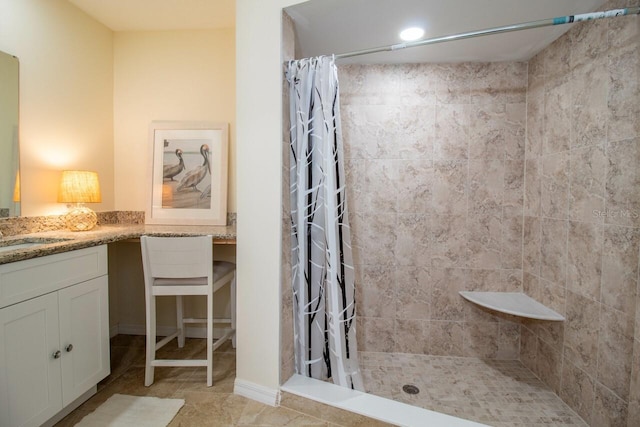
(411, 34)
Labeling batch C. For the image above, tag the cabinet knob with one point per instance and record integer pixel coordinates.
(69, 348)
(57, 354)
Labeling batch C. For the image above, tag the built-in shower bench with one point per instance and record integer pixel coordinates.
(514, 303)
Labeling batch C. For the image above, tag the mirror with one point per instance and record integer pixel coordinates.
(9, 154)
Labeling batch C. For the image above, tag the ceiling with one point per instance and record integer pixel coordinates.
(338, 26)
(149, 15)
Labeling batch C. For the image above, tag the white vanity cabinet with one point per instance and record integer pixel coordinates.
(54, 333)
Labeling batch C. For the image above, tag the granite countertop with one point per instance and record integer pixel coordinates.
(53, 242)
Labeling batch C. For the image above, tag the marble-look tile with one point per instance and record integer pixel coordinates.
(418, 83)
(620, 268)
(449, 241)
(450, 191)
(615, 351)
(377, 291)
(608, 409)
(535, 122)
(531, 257)
(553, 244)
(413, 245)
(531, 285)
(381, 184)
(369, 84)
(377, 235)
(587, 43)
(511, 246)
(452, 132)
(553, 296)
(484, 234)
(513, 184)
(446, 338)
(634, 389)
(487, 133)
(552, 333)
(623, 183)
(555, 186)
(557, 116)
(586, 178)
(584, 264)
(414, 131)
(590, 83)
(368, 129)
(508, 341)
(528, 348)
(486, 187)
(481, 339)
(624, 90)
(536, 72)
(532, 187)
(453, 83)
(413, 293)
(376, 334)
(515, 131)
(581, 332)
(356, 185)
(557, 57)
(549, 364)
(414, 188)
(577, 390)
(498, 82)
(411, 336)
(446, 303)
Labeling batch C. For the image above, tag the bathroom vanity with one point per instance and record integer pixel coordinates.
(54, 331)
(54, 317)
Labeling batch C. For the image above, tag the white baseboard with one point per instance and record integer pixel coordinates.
(191, 331)
(257, 392)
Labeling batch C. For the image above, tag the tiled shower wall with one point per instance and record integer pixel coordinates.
(435, 174)
(582, 218)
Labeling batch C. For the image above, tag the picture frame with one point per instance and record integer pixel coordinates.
(188, 173)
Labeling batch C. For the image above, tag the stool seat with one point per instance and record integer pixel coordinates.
(181, 266)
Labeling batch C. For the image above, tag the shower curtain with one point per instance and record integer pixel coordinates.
(322, 266)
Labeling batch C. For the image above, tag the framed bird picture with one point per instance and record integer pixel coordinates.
(188, 173)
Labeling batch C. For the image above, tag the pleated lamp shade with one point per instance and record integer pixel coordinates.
(79, 187)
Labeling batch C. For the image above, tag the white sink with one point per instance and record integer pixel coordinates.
(12, 245)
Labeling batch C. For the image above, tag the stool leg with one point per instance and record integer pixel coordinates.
(180, 320)
(151, 341)
(232, 290)
(210, 338)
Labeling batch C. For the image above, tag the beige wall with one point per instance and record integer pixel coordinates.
(66, 97)
(168, 75)
(582, 218)
(259, 124)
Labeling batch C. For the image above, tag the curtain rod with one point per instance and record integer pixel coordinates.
(497, 30)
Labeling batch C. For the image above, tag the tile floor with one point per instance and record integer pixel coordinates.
(215, 406)
(495, 392)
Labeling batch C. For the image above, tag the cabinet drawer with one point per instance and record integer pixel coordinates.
(30, 278)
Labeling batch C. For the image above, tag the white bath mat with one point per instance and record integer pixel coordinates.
(127, 411)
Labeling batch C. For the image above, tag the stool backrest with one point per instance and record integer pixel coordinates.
(176, 257)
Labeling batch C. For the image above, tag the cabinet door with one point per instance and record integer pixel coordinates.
(84, 336)
(30, 384)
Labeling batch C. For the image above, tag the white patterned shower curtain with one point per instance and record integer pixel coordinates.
(322, 265)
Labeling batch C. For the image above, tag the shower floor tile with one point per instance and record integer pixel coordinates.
(493, 392)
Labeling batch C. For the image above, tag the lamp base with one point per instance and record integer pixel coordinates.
(80, 218)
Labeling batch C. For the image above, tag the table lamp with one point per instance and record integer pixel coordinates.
(79, 187)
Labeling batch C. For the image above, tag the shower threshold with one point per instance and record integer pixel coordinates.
(369, 405)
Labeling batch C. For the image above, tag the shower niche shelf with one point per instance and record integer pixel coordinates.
(514, 303)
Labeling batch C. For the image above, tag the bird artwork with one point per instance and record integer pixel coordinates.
(206, 192)
(194, 176)
(170, 171)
